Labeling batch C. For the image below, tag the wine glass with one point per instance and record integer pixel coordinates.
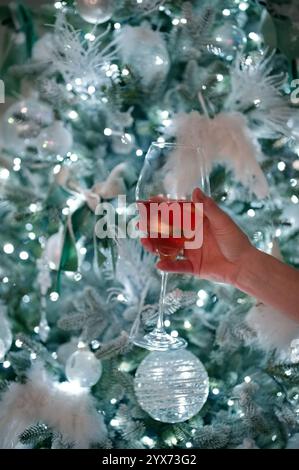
(163, 181)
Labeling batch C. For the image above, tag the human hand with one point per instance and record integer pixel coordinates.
(225, 247)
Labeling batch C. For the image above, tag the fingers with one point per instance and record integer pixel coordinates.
(176, 266)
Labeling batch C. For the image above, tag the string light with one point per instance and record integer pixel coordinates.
(174, 334)
(4, 174)
(18, 343)
(226, 12)
(167, 323)
(254, 36)
(73, 115)
(230, 402)
(219, 77)
(175, 21)
(117, 25)
(107, 131)
(251, 212)
(215, 391)
(281, 166)
(243, 6)
(147, 441)
(188, 445)
(6, 364)
(115, 422)
(139, 153)
(187, 325)
(54, 296)
(24, 255)
(294, 199)
(113, 401)
(8, 248)
(247, 379)
(5, 280)
(90, 37)
(125, 72)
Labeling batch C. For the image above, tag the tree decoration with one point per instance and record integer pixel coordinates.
(257, 92)
(171, 386)
(228, 41)
(23, 122)
(60, 405)
(223, 139)
(95, 11)
(83, 368)
(55, 140)
(150, 61)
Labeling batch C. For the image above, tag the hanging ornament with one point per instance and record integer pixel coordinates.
(150, 60)
(171, 386)
(55, 140)
(228, 41)
(5, 334)
(123, 144)
(95, 11)
(83, 368)
(53, 249)
(23, 122)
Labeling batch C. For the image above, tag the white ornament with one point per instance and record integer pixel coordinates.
(228, 41)
(95, 11)
(55, 140)
(62, 406)
(53, 249)
(150, 60)
(83, 368)
(225, 139)
(23, 122)
(273, 329)
(5, 334)
(171, 386)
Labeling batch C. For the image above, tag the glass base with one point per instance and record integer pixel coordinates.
(159, 340)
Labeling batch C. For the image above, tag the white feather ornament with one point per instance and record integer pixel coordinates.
(273, 329)
(64, 408)
(225, 139)
(255, 90)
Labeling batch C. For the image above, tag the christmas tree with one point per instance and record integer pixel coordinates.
(86, 86)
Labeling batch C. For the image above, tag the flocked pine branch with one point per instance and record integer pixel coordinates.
(35, 434)
(90, 315)
(114, 347)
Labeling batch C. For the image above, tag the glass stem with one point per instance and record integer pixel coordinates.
(160, 322)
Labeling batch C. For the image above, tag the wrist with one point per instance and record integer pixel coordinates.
(249, 268)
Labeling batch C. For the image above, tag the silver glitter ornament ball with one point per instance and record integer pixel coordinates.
(171, 386)
(95, 11)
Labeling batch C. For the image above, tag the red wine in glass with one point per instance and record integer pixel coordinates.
(166, 229)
